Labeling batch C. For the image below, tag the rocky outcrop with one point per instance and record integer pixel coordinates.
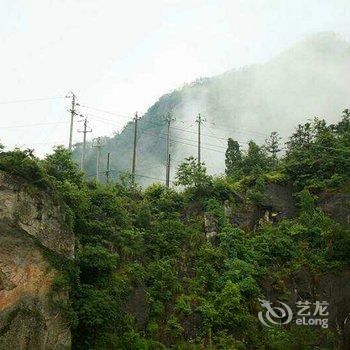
(33, 230)
(137, 304)
(277, 203)
(210, 225)
(333, 288)
(247, 216)
(35, 213)
(337, 206)
(278, 198)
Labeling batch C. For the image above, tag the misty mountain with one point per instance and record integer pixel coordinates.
(309, 79)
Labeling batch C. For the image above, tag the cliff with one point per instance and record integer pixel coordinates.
(33, 231)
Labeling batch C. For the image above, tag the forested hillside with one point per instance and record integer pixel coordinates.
(159, 268)
(309, 79)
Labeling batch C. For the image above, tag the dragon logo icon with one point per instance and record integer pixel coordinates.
(277, 315)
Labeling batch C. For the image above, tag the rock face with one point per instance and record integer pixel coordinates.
(277, 203)
(32, 228)
(279, 199)
(337, 205)
(332, 288)
(247, 216)
(210, 225)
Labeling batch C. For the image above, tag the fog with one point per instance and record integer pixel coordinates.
(310, 79)
(122, 56)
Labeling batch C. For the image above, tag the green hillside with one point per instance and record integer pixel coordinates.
(307, 80)
(164, 269)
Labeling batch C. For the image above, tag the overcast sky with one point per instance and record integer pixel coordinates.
(121, 56)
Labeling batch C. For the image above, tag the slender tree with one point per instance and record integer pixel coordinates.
(256, 161)
(272, 146)
(233, 158)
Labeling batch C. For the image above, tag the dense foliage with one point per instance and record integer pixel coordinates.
(316, 157)
(147, 276)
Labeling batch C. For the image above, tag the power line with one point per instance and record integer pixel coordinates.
(177, 128)
(30, 125)
(145, 132)
(104, 120)
(176, 140)
(104, 111)
(179, 140)
(108, 121)
(140, 175)
(224, 127)
(322, 147)
(196, 132)
(150, 177)
(179, 161)
(31, 100)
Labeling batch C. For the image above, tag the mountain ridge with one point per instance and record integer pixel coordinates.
(306, 80)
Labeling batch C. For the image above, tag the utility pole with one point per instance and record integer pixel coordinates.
(98, 156)
(108, 170)
(168, 120)
(85, 131)
(73, 114)
(168, 171)
(199, 120)
(136, 118)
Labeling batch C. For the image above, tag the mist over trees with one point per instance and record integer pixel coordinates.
(308, 80)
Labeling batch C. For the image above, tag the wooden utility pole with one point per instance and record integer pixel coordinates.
(199, 120)
(108, 170)
(98, 156)
(168, 120)
(72, 115)
(133, 169)
(85, 131)
(168, 171)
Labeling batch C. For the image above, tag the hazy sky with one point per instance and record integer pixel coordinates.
(121, 56)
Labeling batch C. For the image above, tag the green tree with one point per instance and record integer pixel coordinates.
(61, 166)
(344, 125)
(233, 158)
(317, 154)
(192, 174)
(24, 164)
(301, 138)
(256, 161)
(272, 146)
